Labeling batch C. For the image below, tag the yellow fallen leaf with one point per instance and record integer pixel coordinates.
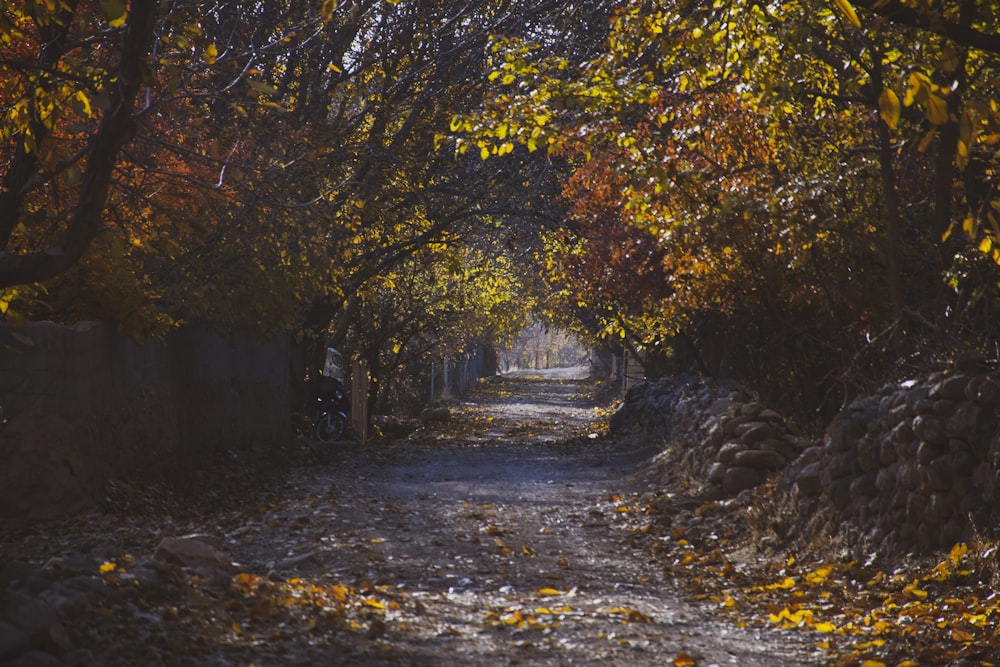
(683, 659)
(872, 663)
(957, 553)
(513, 619)
(914, 592)
(372, 602)
(548, 591)
(975, 619)
(787, 582)
(107, 566)
(825, 627)
(819, 575)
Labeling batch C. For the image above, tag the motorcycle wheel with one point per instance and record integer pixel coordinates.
(330, 427)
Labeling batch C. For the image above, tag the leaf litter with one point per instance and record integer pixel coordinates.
(504, 536)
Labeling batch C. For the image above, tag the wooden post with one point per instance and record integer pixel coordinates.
(359, 400)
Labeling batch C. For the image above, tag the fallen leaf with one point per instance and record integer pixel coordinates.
(638, 617)
(683, 659)
(961, 635)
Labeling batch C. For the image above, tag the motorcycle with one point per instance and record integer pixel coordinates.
(332, 408)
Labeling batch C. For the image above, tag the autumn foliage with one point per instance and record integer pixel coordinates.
(802, 196)
(793, 195)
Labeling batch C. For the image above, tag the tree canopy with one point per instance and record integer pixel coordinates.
(802, 195)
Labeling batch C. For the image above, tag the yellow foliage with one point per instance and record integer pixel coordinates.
(848, 11)
(889, 108)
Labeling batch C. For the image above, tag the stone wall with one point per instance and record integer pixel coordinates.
(84, 405)
(730, 441)
(916, 467)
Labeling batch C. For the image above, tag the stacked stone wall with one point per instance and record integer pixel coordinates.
(731, 441)
(915, 467)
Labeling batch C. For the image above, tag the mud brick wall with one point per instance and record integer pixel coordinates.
(84, 405)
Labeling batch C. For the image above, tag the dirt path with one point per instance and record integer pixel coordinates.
(503, 536)
(511, 544)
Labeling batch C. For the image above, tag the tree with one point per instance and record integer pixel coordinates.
(57, 142)
(742, 139)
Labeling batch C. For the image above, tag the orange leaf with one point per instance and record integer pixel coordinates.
(245, 579)
(682, 659)
(961, 636)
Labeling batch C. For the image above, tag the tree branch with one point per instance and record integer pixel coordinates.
(966, 35)
(116, 129)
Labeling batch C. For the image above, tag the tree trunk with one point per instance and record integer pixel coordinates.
(890, 195)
